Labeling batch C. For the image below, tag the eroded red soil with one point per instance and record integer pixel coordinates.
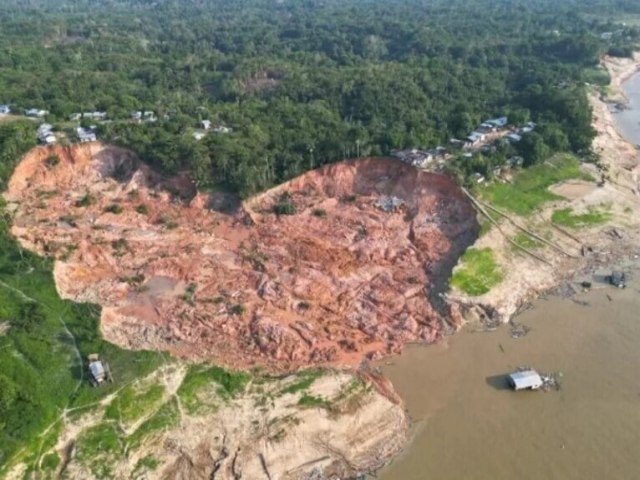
(207, 278)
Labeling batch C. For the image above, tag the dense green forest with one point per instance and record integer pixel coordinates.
(299, 84)
(303, 83)
(44, 340)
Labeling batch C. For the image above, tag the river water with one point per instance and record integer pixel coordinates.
(629, 120)
(469, 426)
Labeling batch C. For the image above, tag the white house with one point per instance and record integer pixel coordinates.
(34, 112)
(97, 115)
(5, 110)
(199, 135)
(222, 129)
(478, 177)
(149, 116)
(45, 134)
(206, 124)
(85, 135)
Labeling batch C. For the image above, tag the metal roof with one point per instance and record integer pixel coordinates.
(525, 379)
(97, 370)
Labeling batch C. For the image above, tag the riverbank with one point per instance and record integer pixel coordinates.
(568, 252)
(471, 426)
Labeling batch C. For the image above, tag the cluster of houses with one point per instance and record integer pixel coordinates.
(46, 136)
(208, 126)
(422, 158)
(144, 116)
(488, 126)
(97, 115)
(36, 113)
(516, 136)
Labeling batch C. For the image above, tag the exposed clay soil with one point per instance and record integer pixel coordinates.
(205, 277)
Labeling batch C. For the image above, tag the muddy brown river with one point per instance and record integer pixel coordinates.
(469, 426)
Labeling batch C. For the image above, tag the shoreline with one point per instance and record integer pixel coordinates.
(596, 246)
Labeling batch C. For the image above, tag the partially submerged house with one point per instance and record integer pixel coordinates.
(525, 380)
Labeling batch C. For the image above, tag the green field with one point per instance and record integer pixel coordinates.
(567, 218)
(530, 188)
(45, 339)
(478, 273)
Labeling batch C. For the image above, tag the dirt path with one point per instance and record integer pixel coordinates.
(619, 195)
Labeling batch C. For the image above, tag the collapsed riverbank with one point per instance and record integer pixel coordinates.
(567, 252)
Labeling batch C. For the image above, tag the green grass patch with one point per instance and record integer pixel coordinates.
(131, 404)
(527, 241)
(478, 273)
(145, 464)
(41, 374)
(98, 448)
(304, 381)
(195, 391)
(312, 401)
(166, 417)
(529, 188)
(567, 218)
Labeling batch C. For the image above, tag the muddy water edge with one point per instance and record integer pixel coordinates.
(470, 426)
(628, 120)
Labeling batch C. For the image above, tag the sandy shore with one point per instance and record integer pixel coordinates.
(527, 278)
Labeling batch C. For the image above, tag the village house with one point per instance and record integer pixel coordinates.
(222, 129)
(515, 162)
(199, 135)
(206, 124)
(497, 123)
(514, 137)
(85, 135)
(475, 137)
(136, 115)
(149, 116)
(95, 115)
(527, 128)
(75, 117)
(478, 178)
(35, 112)
(45, 134)
(414, 157)
(5, 110)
